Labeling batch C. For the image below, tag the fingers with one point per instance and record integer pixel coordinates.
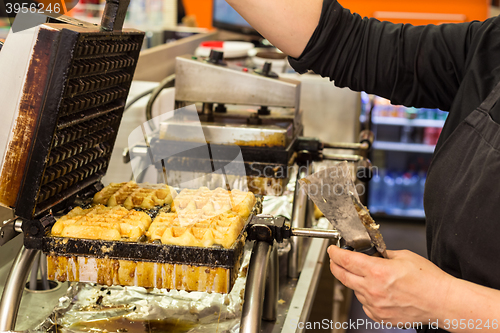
(348, 279)
(392, 254)
(361, 298)
(355, 263)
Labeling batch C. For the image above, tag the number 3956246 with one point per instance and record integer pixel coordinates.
(15, 8)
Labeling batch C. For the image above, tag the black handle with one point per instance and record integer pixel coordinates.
(114, 14)
(371, 251)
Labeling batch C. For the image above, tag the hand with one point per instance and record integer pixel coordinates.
(404, 288)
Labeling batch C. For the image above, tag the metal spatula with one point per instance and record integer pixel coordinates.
(333, 191)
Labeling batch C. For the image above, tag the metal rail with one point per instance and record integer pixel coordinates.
(255, 288)
(270, 310)
(298, 221)
(13, 291)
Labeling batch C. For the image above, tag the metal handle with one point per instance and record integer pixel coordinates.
(315, 233)
(347, 145)
(114, 14)
(341, 157)
(371, 251)
(366, 138)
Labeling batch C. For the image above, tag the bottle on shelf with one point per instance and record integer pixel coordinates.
(376, 193)
(390, 193)
(431, 135)
(397, 193)
(407, 134)
(406, 195)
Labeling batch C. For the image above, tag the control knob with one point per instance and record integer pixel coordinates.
(266, 71)
(216, 57)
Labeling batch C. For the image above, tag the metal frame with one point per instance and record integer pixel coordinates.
(13, 291)
(299, 218)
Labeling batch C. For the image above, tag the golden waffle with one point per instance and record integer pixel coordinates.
(133, 195)
(222, 230)
(203, 218)
(215, 202)
(101, 222)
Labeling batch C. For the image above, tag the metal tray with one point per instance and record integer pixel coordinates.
(145, 251)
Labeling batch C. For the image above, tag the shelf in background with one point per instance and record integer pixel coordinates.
(405, 122)
(400, 146)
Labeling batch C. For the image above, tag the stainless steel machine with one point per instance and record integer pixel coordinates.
(243, 130)
(63, 114)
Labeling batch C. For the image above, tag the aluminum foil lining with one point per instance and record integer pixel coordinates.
(278, 206)
(94, 308)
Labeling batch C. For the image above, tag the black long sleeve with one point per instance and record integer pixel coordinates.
(421, 66)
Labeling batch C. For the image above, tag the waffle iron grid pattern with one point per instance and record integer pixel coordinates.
(90, 112)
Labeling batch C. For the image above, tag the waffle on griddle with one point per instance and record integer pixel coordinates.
(132, 195)
(101, 222)
(206, 224)
(211, 203)
(203, 218)
(221, 230)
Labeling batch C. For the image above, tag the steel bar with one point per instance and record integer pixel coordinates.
(13, 290)
(270, 311)
(34, 272)
(303, 297)
(339, 157)
(254, 288)
(298, 221)
(315, 233)
(347, 145)
(43, 271)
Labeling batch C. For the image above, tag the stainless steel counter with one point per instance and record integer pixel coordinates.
(297, 295)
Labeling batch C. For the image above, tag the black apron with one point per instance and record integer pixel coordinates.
(462, 200)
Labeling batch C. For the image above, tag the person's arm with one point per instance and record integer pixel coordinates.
(287, 24)
(407, 288)
(419, 66)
